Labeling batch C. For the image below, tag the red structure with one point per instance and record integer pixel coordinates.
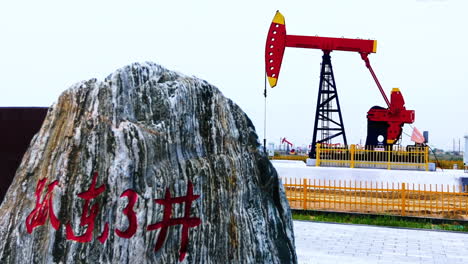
(277, 41)
(286, 141)
(393, 117)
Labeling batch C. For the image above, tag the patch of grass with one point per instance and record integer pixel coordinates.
(384, 220)
(302, 217)
(448, 164)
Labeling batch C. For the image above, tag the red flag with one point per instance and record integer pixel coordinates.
(417, 136)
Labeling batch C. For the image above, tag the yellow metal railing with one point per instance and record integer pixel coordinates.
(289, 157)
(420, 200)
(373, 157)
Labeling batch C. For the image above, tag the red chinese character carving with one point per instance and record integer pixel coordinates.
(131, 216)
(186, 221)
(43, 209)
(89, 216)
(103, 237)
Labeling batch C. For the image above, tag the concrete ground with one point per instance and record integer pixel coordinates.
(288, 169)
(343, 243)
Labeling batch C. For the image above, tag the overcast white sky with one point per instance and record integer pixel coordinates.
(46, 46)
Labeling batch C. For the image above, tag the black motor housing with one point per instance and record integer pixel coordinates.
(376, 129)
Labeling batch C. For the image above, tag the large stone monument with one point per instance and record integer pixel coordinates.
(147, 166)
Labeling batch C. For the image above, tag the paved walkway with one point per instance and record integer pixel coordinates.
(340, 243)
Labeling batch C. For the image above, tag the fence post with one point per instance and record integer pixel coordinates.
(426, 157)
(403, 199)
(389, 158)
(304, 191)
(317, 153)
(352, 151)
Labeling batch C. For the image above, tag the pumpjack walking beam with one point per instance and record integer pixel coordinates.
(278, 40)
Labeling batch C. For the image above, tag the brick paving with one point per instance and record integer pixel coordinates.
(341, 243)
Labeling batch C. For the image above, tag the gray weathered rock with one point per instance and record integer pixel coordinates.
(146, 128)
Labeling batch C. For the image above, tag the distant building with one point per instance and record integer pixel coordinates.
(19, 125)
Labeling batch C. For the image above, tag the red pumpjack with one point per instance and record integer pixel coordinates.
(395, 115)
(289, 144)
